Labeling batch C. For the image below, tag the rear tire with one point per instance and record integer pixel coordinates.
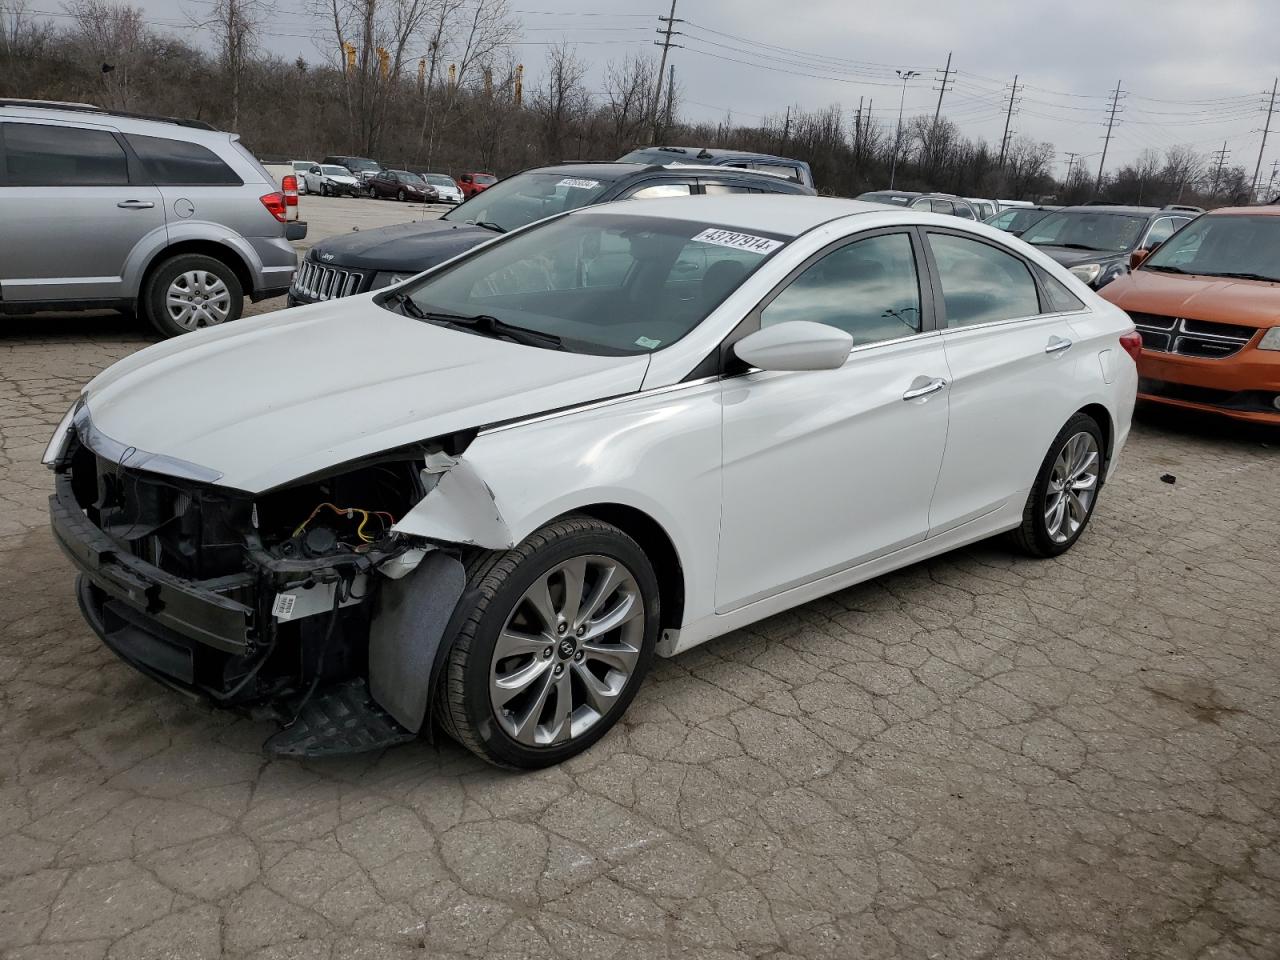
(191, 291)
(504, 703)
(1065, 493)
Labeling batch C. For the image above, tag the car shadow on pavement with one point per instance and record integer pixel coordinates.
(85, 323)
(1197, 425)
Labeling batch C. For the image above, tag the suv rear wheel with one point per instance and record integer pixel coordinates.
(191, 291)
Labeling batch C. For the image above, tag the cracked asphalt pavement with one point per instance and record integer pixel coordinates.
(978, 756)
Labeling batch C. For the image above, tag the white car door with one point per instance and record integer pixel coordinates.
(1011, 366)
(825, 469)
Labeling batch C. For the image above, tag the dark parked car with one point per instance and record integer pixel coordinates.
(400, 184)
(1094, 241)
(795, 170)
(895, 198)
(362, 167)
(358, 262)
(1018, 220)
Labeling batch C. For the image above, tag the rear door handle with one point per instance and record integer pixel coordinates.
(930, 388)
(1057, 345)
(135, 204)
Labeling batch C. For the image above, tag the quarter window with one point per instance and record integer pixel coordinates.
(1061, 300)
(981, 284)
(718, 189)
(1161, 231)
(177, 163)
(37, 155)
(868, 288)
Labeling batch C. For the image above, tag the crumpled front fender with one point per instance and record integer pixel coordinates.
(459, 507)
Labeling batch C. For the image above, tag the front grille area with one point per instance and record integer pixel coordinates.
(315, 281)
(1191, 338)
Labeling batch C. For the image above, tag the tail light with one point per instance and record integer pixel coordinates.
(275, 204)
(289, 184)
(1132, 344)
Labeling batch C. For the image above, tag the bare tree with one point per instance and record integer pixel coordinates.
(112, 35)
(560, 100)
(237, 23)
(626, 91)
(1027, 165)
(380, 33)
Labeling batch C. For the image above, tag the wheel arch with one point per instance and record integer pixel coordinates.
(209, 248)
(1102, 417)
(657, 546)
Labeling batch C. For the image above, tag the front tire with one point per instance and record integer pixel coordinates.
(558, 643)
(401, 196)
(1065, 493)
(191, 291)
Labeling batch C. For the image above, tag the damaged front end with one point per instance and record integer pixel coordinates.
(304, 603)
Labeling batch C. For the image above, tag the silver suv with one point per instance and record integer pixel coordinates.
(170, 218)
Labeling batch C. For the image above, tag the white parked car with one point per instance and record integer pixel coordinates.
(300, 168)
(491, 493)
(446, 189)
(330, 180)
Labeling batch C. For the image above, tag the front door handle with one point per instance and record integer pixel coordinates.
(930, 388)
(1057, 345)
(135, 204)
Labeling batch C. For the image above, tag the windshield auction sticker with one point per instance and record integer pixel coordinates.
(578, 184)
(738, 241)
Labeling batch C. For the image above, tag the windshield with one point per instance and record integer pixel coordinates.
(1216, 246)
(404, 176)
(332, 171)
(362, 163)
(1088, 230)
(438, 180)
(605, 284)
(527, 197)
(1018, 220)
(485, 178)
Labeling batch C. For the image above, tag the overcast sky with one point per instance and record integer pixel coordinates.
(1194, 71)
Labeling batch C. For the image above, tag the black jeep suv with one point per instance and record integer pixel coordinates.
(359, 262)
(1094, 241)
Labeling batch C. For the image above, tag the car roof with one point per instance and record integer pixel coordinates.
(592, 170)
(1119, 209)
(1269, 210)
(615, 170)
(174, 128)
(713, 153)
(784, 214)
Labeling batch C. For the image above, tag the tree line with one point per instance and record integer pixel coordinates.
(437, 84)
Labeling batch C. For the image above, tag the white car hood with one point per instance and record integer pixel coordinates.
(267, 400)
(340, 179)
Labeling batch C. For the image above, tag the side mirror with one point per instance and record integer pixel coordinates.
(1137, 257)
(797, 345)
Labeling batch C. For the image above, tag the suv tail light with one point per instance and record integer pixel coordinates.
(1132, 343)
(275, 204)
(289, 184)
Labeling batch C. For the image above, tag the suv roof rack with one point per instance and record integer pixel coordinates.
(91, 108)
(1183, 206)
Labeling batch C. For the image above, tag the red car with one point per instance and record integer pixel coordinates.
(472, 183)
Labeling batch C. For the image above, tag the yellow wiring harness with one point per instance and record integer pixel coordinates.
(350, 513)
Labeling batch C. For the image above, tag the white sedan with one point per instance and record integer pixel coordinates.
(490, 494)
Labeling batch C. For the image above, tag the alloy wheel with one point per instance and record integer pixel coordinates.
(197, 298)
(567, 651)
(1073, 485)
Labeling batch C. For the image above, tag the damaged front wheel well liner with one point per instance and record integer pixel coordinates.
(657, 545)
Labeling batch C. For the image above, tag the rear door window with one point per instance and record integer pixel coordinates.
(981, 284)
(177, 163)
(655, 190)
(41, 155)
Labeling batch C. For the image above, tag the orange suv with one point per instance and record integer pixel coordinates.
(1207, 303)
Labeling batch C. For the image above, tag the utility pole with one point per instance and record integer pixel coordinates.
(1111, 122)
(786, 129)
(1266, 129)
(946, 73)
(1222, 162)
(1275, 170)
(666, 45)
(904, 76)
(1008, 118)
(1071, 163)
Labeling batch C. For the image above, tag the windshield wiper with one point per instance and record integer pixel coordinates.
(1072, 246)
(1164, 269)
(1244, 276)
(490, 225)
(408, 306)
(492, 326)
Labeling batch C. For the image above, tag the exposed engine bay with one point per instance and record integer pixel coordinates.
(255, 601)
